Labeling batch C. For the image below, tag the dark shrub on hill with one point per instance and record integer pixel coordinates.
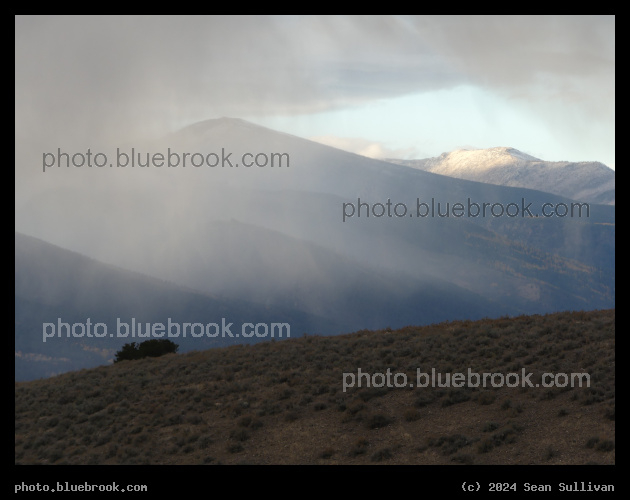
(149, 348)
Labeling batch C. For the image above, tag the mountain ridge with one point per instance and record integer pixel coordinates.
(277, 240)
(53, 284)
(588, 181)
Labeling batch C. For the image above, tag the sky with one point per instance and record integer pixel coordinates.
(382, 86)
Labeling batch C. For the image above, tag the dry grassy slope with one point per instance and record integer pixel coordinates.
(283, 403)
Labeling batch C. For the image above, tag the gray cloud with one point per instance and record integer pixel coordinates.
(95, 74)
(536, 58)
(81, 80)
(92, 75)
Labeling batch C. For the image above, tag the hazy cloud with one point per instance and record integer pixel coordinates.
(371, 149)
(35, 356)
(91, 74)
(81, 80)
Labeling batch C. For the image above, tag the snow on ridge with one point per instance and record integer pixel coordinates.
(478, 160)
(505, 166)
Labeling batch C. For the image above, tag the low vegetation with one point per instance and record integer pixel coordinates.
(284, 402)
(148, 349)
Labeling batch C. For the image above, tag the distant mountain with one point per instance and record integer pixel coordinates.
(311, 289)
(56, 286)
(274, 239)
(586, 181)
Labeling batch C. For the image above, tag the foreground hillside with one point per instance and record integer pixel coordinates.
(284, 402)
